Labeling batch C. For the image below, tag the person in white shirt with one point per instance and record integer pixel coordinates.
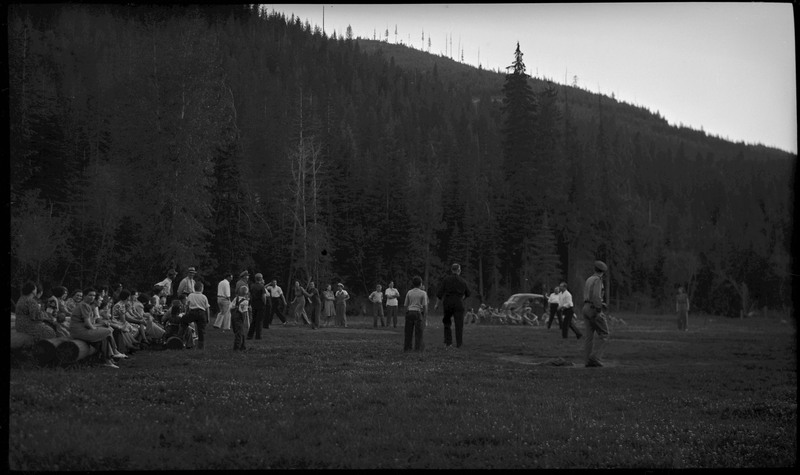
(166, 284)
(275, 294)
(565, 306)
(552, 301)
(416, 304)
(376, 297)
(223, 320)
(187, 284)
(199, 313)
(392, 295)
(340, 304)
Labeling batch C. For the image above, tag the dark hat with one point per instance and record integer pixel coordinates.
(601, 266)
(244, 273)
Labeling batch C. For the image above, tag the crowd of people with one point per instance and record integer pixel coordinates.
(122, 321)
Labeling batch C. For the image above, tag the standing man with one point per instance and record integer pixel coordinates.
(376, 297)
(199, 313)
(244, 279)
(565, 307)
(224, 302)
(275, 297)
(166, 284)
(593, 307)
(416, 308)
(453, 290)
(553, 306)
(186, 286)
(258, 303)
(391, 304)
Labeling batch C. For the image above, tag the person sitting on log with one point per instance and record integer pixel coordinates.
(134, 314)
(126, 335)
(73, 301)
(31, 320)
(83, 327)
(57, 312)
(101, 316)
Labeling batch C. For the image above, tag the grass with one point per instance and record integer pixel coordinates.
(721, 395)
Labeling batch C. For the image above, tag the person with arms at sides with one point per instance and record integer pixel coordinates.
(376, 297)
(341, 297)
(452, 291)
(276, 297)
(416, 304)
(565, 307)
(240, 318)
(186, 286)
(328, 306)
(594, 317)
(199, 313)
(244, 280)
(258, 304)
(223, 320)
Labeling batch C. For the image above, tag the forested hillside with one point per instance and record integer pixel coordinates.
(145, 138)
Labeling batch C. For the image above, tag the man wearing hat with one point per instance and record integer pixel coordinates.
(244, 277)
(258, 302)
(166, 284)
(593, 307)
(187, 284)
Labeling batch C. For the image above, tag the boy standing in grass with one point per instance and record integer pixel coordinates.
(416, 308)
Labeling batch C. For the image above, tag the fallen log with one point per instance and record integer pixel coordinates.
(71, 351)
(21, 341)
(45, 350)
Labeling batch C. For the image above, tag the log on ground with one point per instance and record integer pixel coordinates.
(71, 351)
(45, 350)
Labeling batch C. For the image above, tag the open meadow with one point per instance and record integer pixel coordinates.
(723, 394)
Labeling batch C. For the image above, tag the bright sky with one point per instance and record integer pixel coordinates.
(728, 68)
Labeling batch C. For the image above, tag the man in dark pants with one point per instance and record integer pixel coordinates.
(596, 323)
(275, 297)
(258, 302)
(452, 291)
(565, 306)
(199, 313)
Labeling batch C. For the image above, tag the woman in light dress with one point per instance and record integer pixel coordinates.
(328, 307)
(299, 303)
(31, 320)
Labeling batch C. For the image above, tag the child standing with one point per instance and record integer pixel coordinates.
(240, 318)
(416, 310)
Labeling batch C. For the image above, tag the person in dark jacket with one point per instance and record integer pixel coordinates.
(452, 292)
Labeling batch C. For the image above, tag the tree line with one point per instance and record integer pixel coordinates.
(230, 137)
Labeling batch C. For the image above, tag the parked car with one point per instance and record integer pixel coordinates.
(518, 302)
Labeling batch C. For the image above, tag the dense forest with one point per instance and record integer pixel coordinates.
(226, 137)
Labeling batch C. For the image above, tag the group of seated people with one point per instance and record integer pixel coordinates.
(491, 316)
(117, 325)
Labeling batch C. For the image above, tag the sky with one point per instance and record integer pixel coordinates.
(725, 68)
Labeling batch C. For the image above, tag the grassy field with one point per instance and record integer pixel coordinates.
(723, 394)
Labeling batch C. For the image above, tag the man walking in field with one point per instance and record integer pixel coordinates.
(596, 323)
(453, 290)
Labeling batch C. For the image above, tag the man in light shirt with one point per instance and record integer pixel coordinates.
(275, 297)
(186, 286)
(416, 309)
(223, 320)
(552, 302)
(166, 284)
(199, 313)
(565, 306)
(391, 304)
(594, 317)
